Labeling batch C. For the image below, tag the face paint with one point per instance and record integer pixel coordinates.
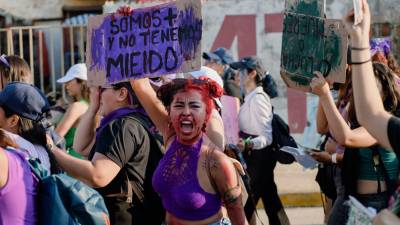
(188, 114)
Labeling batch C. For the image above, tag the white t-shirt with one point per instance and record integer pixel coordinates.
(34, 151)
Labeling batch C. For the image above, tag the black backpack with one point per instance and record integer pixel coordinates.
(281, 137)
(269, 86)
(150, 200)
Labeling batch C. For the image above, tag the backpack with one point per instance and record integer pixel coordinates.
(269, 86)
(149, 198)
(64, 200)
(325, 175)
(281, 137)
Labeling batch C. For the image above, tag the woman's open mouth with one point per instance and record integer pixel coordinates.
(186, 126)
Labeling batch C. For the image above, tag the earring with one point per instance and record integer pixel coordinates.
(204, 127)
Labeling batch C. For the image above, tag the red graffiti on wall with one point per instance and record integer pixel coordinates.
(243, 27)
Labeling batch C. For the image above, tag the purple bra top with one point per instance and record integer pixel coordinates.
(176, 181)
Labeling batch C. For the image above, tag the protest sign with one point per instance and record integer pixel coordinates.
(151, 42)
(358, 213)
(230, 110)
(311, 43)
(358, 13)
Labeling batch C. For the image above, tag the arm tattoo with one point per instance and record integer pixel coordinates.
(231, 195)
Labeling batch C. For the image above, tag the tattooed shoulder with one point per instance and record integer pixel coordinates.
(231, 195)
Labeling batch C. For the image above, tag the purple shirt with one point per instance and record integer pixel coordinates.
(18, 196)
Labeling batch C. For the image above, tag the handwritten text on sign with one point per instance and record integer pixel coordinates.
(151, 42)
(311, 43)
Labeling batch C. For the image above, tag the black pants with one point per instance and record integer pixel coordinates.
(123, 213)
(260, 166)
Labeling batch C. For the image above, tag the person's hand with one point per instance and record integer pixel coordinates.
(322, 157)
(385, 217)
(330, 146)
(359, 33)
(125, 10)
(94, 99)
(241, 145)
(50, 143)
(319, 85)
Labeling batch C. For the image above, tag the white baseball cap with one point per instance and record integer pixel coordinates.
(76, 71)
(213, 75)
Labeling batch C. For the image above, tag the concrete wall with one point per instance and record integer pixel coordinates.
(33, 9)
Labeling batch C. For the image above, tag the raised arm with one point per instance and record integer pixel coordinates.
(322, 123)
(86, 130)
(3, 168)
(341, 131)
(369, 107)
(74, 112)
(215, 131)
(153, 106)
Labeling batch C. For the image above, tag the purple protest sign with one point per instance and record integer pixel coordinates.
(151, 42)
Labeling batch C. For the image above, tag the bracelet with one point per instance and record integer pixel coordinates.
(359, 63)
(334, 158)
(360, 49)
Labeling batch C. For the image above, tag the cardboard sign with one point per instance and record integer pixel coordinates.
(230, 110)
(151, 42)
(309, 44)
(306, 7)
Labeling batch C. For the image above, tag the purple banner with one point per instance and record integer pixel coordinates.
(151, 42)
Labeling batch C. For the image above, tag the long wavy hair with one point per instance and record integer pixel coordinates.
(17, 70)
(389, 91)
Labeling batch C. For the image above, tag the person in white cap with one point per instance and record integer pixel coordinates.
(215, 126)
(75, 84)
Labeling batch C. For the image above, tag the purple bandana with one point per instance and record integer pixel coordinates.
(383, 45)
(121, 112)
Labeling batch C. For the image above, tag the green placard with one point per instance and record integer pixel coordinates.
(311, 43)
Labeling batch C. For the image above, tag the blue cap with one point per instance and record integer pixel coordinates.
(24, 100)
(220, 55)
(251, 62)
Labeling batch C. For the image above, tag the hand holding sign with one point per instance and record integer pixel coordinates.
(311, 43)
(358, 13)
(359, 33)
(319, 85)
(150, 42)
(125, 10)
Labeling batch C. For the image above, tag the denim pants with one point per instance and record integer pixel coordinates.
(223, 221)
(377, 201)
(339, 210)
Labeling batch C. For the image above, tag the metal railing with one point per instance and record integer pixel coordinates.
(49, 50)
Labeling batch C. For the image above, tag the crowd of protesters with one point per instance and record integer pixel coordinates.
(154, 148)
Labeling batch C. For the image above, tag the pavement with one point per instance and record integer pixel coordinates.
(300, 195)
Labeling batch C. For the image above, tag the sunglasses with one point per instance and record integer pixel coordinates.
(102, 89)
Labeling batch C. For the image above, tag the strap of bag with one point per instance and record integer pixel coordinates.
(388, 181)
(34, 164)
(132, 187)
